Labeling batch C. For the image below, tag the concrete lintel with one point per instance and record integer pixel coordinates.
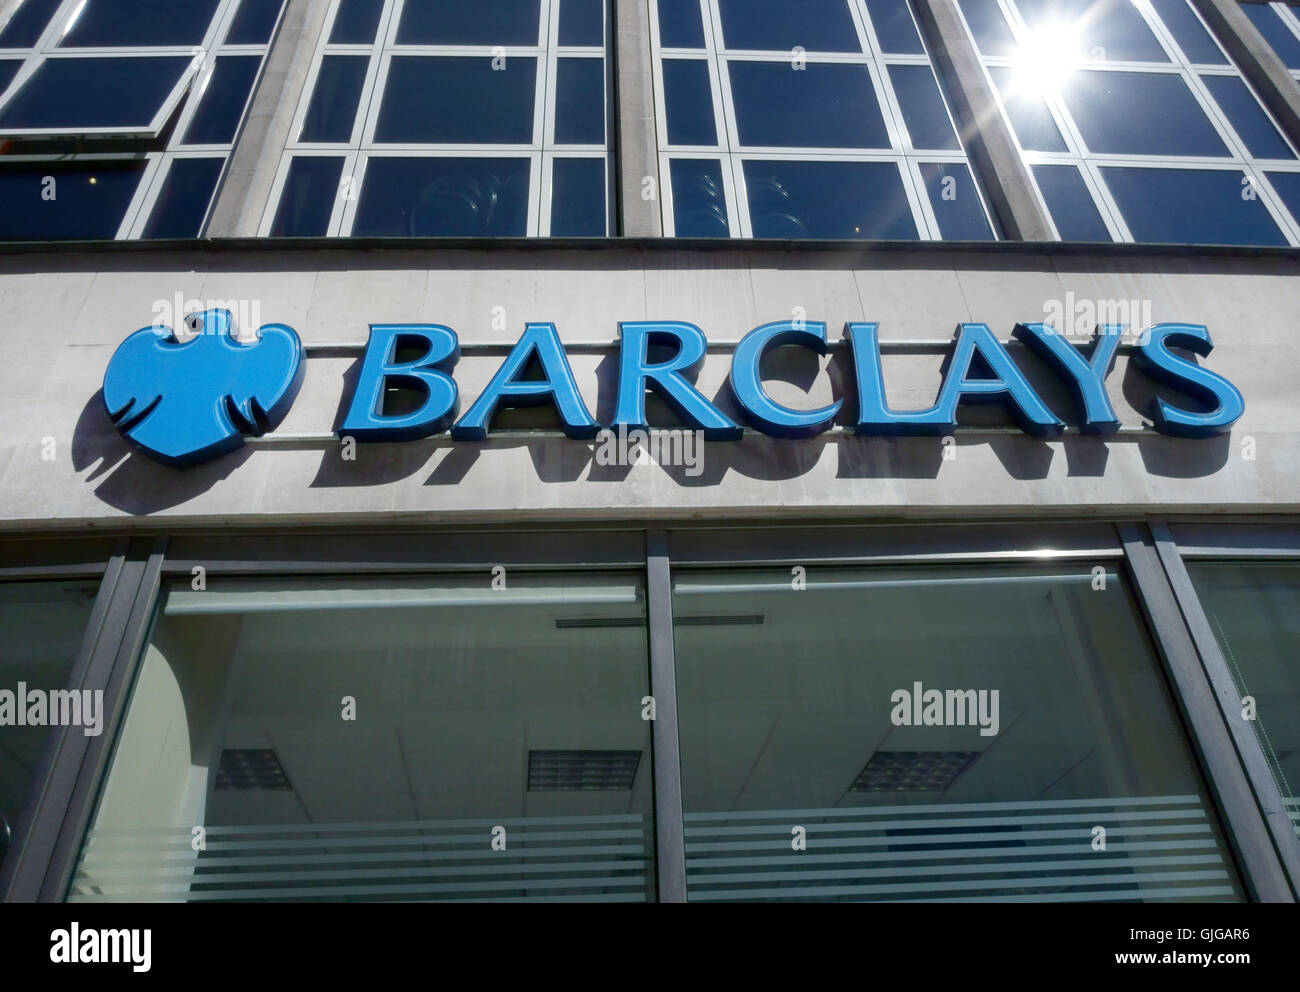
(637, 142)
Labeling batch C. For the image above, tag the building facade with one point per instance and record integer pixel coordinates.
(650, 450)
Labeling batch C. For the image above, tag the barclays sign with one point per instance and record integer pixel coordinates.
(185, 402)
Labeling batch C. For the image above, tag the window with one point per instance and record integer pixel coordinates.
(821, 119)
(384, 739)
(444, 119)
(122, 113)
(1279, 23)
(817, 764)
(1134, 124)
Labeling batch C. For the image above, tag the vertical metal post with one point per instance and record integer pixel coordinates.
(670, 847)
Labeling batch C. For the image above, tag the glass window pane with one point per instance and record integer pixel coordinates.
(85, 93)
(458, 100)
(357, 22)
(1070, 204)
(483, 22)
(818, 709)
(578, 198)
(333, 109)
(140, 23)
(894, 27)
(1114, 27)
(41, 625)
(89, 204)
(828, 200)
(1189, 32)
(820, 106)
(1277, 34)
(1032, 121)
(582, 23)
(1254, 610)
(219, 115)
(28, 23)
(307, 201)
(580, 102)
(680, 25)
(463, 724)
(699, 198)
(781, 26)
(183, 203)
(688, 94)
(923, 108)
(1287, 185)
(8, 69)
(1247, 117)
(255, 22)
(444, 197)
(1139, 113)
(989, 27)
(956, 202)
(1191, 206)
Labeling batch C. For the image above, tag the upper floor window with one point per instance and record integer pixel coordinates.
(1279, 23)
(822, 119)
(442, 118)
(1134, 123)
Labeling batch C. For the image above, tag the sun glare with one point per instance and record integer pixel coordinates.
(1047, 57)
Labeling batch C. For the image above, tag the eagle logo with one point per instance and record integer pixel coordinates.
(182, 403)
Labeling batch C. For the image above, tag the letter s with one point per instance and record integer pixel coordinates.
(1155, 359)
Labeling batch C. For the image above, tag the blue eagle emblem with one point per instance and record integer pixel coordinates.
(186, 403)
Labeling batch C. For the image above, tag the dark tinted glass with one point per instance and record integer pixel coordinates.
(483, 22)
(955, 201)
(923, 108)
(578, 198)
(689, 98)
(828, 200)
(1114, 27)
(781, 26)
(894, 27)
(580, 102)
(1070, 203)
(254, 22)
(458, 100)
(8, 69)
(308, 198)
(1190, 206)
(680, 25)
(1139, 113)
(820, 106)
(699, 198)
(89, 201)
(1189, 32)
(582, 23)
(28, 23)
(222, 109)
(1247, 117)
(333, 107)
(437, 197)
(141, 23)
(1276, 33)
(183, 202)
(992, 35)
(1287, 185)
(1032, 121)
(356, 22)
(76, 94)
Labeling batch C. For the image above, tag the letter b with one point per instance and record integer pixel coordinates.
(381, 369)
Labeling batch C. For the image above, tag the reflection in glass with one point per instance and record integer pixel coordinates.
(183, 203)
(819, 106)
(828, 200)
(1247, 117)
(217, 119)
(307, 203)
(140, 23)
(76, 94)
(444, 197)
(699, 198)
(1070, 203)
(457, 100)
(578, 198)
(90, 204)
(1191, 206)
(688, 99)
(955, 202)
(1140, 113)
(333, 108)
(483, 22)
(781, 26)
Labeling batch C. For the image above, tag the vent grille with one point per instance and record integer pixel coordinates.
(582, 771)
(912, 771)
(252, 769)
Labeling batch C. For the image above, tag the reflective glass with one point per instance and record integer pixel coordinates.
(307, 201)
(254, 22)
(1279, 37)
(89, 200)
(74, 95)
(828, 200)
(699, 198)
(140, 23)
(1030, 117)
(483, 22)
(923, 108)
(989, 27)
(1189, 32)
(222, 109)
(1139, 113)
(1070, 204)
(578, 198)
(1191, 206)
(444, 197)
(333, 109)
(28, 23)
(458, 100)
(357, 22)
(895, 30)
(580, 102)
(838, 743)
(1247, 117)
(8, 69)
(955, 202)
(781, 26)
(183, 203)
(680, 25)
(493, 753)
(1111, 30)
(582, 23)
(820, 106)
(688, 95)
(1287, 185)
